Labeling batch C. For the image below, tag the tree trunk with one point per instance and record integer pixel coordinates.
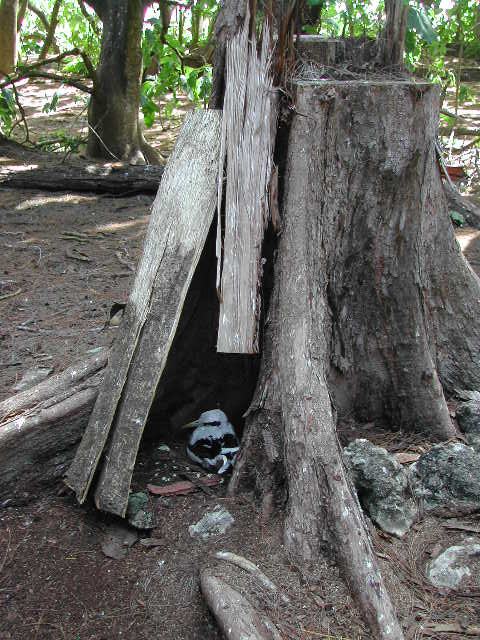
(373, 309)
(393, 41)
(50, 37)
(114, 129)
(8, 35)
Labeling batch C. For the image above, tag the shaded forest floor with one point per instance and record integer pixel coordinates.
(65, 260)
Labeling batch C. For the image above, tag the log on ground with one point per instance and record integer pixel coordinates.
(114, 180)
(40, 427)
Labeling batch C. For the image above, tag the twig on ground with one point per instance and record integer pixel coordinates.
(11, 295)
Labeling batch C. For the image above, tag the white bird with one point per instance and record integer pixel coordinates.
(213, 443)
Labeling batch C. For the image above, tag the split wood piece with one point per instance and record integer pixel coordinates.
(124, 180)
(252, 568)
(40, 426)
(234, 614)
(248, 137)
(181, 217)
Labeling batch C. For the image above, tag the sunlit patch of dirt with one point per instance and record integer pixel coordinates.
(70, 116)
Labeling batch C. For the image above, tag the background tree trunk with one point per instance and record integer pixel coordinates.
(50, 37)
(393, 40)
(114, 129)
(8, 35)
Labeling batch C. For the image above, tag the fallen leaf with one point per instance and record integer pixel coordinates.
(407, 458)
(182, 487)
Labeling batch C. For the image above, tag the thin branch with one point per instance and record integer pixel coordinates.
(30, 71)
(89, 17)
(61, 56)
(102, 142)
(39, 13)
(50, 37)
(22, 113)
(50, 76)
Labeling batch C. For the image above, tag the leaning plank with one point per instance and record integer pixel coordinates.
(235, 616)
(40, 427)
(250, 117)
(181, 216)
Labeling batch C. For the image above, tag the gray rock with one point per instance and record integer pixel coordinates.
(382, 486)
(457, 566)
(468, 413)
(137, 515)
(473, 440)
(446, 479)
(214, 523)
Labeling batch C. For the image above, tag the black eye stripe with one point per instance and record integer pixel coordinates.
(211, 424)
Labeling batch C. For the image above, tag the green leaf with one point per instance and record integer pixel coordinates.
(420, 23)
(457, 218)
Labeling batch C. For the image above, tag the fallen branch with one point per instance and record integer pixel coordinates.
(40, 426)
(127, 180)
(235, 616)
(245, 564)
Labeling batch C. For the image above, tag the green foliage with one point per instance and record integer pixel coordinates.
(7, 110)
(73, 31)
(457, 218)
(172, 51)
(51, 105)
(60, 141)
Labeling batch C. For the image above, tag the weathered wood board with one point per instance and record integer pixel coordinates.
(249, 127)
(181, 217)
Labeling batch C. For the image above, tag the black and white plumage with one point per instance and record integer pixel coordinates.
(213, 443)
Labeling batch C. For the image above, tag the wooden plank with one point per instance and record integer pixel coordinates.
(181, 216)
(250, 116)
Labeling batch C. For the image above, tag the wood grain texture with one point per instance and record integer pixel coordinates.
(234, 614)
(40, 427)
(248, 136)
(182, 214)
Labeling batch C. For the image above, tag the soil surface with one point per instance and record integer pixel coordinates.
(65, 260)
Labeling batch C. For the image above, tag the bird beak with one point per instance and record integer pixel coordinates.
(189, 425)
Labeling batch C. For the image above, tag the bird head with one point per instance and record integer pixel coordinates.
(212, 418)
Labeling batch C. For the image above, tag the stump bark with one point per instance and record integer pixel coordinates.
(370, 291)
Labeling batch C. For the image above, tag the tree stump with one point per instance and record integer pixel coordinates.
(369, 289)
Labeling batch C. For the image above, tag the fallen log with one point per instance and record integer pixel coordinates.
(40, 426)
(234, 614)
(181, 217)
(113, 180)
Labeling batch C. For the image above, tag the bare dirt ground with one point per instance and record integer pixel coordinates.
(65, 259)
